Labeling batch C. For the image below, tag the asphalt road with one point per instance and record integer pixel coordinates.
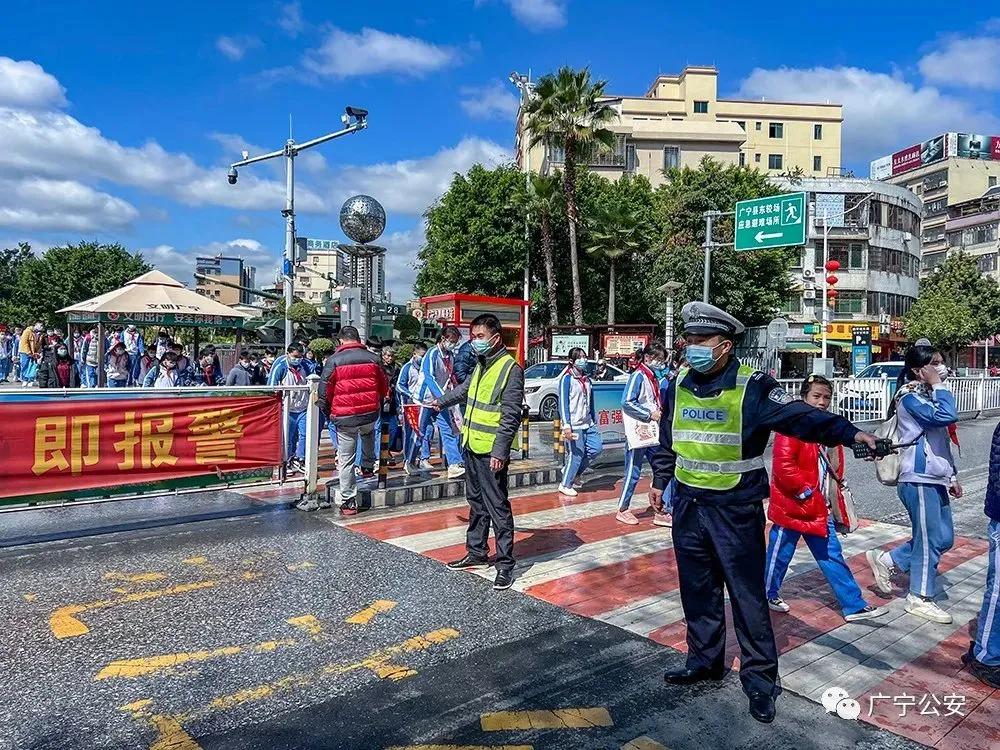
(276, 629)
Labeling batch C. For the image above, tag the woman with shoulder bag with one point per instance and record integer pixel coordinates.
(928, 478)
(803, 477)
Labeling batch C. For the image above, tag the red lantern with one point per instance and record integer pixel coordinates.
(832, 293)
(831, 279)
(832, 265)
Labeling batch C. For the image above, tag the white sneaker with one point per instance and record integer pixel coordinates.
(928, 610)
(456, 471)
(567, 491)
(662, 519)
(578, 484)
(408, 468)
(778, 604)
(426, 465)
(868, 613)
(880, 570)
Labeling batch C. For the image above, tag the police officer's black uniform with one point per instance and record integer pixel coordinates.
(719, 534)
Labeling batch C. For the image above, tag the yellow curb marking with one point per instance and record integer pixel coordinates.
(643, 743)
(560, 718)
(308, 623)
(65, 624)
(133, 577)
(305, 565)
(368, 613)
(130, 668)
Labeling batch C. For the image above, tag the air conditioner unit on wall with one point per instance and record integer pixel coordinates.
(809, 294)
(808, 273)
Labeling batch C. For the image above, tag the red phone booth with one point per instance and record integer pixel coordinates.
(460, 310)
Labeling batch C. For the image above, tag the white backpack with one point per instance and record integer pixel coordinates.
(887, 469)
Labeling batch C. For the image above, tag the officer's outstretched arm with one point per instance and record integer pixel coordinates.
(777, 410)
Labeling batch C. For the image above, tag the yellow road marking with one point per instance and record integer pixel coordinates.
(300, 566)
(133, 577)
(461, 747)
(168, 662)
(368, 613)
(170, 734)
(560, 718)
(308, 623)
(377, 661)
(197, 560)
(30, 597)
(65, 624)
(643, 743)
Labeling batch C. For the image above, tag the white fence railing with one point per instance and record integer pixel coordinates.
(868, 399)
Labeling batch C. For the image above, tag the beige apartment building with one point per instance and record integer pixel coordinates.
(323, 270)
(680, 119)
(946, 171)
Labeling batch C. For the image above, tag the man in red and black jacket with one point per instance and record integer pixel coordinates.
(352, 389)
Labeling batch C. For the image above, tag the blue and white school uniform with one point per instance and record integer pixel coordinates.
(406, 387)
(437, 377)
(576, 411)
(927, 469)
(639, 399)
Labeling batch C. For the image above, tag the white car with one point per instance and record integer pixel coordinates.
(861, 397)
(541, 382)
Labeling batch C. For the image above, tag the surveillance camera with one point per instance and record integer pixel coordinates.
(286, 212)
(245, 154)
(232, 175)
(357, 112)
(345, 119)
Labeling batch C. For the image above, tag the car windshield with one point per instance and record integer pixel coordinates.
(877, 371)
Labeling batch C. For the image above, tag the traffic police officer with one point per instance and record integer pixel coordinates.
(715, 424)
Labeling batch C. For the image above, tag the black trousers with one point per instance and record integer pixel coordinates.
(489, 505)
(718, 546)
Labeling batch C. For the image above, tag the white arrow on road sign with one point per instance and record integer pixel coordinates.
(760, 236)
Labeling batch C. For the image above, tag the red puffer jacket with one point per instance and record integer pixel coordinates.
(795, 468)
(352, 386)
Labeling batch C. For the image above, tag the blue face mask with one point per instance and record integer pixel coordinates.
(580, 364)
(481, 346)
(295, 361)
(660, 372)
(701, 358)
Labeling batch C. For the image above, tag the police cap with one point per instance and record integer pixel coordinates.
(704, 319)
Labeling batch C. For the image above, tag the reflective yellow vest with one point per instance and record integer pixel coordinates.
(482, 409)
(707, 436)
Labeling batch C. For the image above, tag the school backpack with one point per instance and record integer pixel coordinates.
(887, 469)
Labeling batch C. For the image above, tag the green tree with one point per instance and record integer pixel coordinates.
(956, 305)
(568, 109)
(544, 202)
(322, 347)
(749, 285)
(617, 232)
(11, 260)
(475, 236)
(65, 275)
(408, 326)
(302, 312)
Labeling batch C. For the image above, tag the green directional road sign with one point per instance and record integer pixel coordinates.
(776, 221)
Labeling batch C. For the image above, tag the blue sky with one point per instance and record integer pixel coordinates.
(117, 120)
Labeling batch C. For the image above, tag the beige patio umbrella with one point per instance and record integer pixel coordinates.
(154, 299)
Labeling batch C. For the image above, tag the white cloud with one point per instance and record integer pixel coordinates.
(291, 19)
(343, 55)
(972, 62)
(539, 14)
(41, 204)
(489, 101)
(411, 185)
(26, 84)
(236, 47)
(882, 112)
(400, 261)
(180, 264)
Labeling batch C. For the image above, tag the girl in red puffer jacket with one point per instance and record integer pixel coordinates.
(799, 508)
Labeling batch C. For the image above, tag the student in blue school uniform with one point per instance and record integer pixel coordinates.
(579, 423)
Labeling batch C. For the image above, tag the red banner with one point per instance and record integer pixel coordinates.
(64, 445)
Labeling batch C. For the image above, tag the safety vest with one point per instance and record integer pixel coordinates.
(707, 436)
(482, 410)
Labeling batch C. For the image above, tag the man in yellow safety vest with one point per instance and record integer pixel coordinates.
(493, 397)
(716, 419)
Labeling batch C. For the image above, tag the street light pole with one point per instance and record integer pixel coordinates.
(523, 84)
(669, 290)
(354, 119)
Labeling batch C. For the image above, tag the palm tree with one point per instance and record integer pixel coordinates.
(544, 201)
(569, 110)
(615, 232)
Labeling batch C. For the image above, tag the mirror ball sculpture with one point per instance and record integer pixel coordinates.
(362, 218)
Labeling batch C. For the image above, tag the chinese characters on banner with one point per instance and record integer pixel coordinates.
(65, 445)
